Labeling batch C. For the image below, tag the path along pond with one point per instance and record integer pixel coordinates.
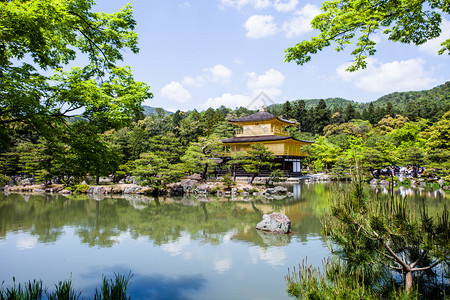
(176, 248)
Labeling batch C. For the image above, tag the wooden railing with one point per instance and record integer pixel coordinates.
(240, 132)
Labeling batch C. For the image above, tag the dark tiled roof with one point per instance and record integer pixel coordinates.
(258, 117)
(260, 138)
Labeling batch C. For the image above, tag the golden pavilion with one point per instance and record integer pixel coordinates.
(267, 129)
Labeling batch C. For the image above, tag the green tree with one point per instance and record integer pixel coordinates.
(88, 153)
(289, 111)
(42, 36)
(155, 171)
(440, 133)
(350, 113)
(258, 159)
(324, 153)
(345, 22)
(376, 241)
(438, 144)
(200, 157)
(302, 115)
(322, 116)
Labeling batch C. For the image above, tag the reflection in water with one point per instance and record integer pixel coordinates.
(274, 256)
(165, 241)
(271, 239)
(26, 243)
(147, 287)
(176, 247)
(222, 264)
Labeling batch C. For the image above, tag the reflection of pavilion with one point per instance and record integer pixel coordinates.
(268, 130)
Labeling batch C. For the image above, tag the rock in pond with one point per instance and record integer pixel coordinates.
(276, 223)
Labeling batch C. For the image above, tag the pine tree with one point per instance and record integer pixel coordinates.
(376, 242)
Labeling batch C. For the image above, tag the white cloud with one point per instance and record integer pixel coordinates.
(175, 91)
(261, 4)
(235, 3)
(259, 26)
(301, 22)
(261, 90)
(390, 77)
(184, 5)
(279, 5)
(434, 45)
(228, 100)
(258, 4)
(198, 81)
(283, 5)
(269, 82)
(219, 73)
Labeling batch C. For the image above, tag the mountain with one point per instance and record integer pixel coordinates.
(439, 96)
(149, 110)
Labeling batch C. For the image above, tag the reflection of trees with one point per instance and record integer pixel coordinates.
(163, 220)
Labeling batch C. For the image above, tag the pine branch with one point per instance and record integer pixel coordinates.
(429, 267)
(419, 259)
(396, 257)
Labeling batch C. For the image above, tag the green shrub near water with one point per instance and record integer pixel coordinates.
(78, 188)
(4, 180)
(228, 181)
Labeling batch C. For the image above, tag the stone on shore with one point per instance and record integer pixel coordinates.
(276, 223)
(131, 189)
(96, 190)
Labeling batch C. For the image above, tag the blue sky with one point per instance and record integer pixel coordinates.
(200, 54)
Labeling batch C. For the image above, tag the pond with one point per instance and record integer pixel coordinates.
(176, 248)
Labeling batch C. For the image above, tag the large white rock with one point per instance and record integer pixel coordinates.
(277, 223)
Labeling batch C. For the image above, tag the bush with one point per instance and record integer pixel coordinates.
(254, 190)
(4, 180)
(276, 175)
(406, 182)
(78, 188)
(215, 189)
(228, 181)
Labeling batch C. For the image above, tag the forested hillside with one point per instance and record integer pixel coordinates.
(429, 104)
(149, 110)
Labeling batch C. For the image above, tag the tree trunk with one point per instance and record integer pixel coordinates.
(97, 180)
(409, 281)
(253, 178)
(205, 170)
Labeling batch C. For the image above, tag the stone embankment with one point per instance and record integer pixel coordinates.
(187, 186)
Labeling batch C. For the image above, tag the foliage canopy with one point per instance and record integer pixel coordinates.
(345, 22)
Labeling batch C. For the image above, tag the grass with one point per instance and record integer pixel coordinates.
(111, 289)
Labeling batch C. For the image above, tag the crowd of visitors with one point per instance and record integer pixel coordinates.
(408, 171)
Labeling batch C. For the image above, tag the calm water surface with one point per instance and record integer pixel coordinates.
(177, 248)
